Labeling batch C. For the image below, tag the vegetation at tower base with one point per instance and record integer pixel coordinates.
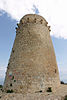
(1, 86)
(32, 65)
(62, 82)
(65, 97)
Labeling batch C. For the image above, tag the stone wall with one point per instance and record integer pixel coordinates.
(32, 65)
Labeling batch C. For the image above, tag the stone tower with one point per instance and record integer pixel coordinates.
(32, 65)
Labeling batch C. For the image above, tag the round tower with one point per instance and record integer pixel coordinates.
(32, 65)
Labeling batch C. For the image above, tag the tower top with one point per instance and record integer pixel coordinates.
(33, 18)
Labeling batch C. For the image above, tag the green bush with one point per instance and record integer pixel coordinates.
(14, 80)
(1, 86)
(62, 82)
(9, 91)
(49, 89)
(65, 97)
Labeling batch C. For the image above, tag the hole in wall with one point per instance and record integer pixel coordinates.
(35, 20)
(41, 21)
(39, 91)
(49, 89)
(13, 51)
(27, 19)
(55, 71)
(10, 84)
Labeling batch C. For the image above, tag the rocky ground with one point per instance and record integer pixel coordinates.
(58, 95)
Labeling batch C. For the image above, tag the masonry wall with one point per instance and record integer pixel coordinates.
(32, 65)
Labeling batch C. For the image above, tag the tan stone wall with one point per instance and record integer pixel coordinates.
(32, 66)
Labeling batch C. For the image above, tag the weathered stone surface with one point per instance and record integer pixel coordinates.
(60, 94)
(32, 66)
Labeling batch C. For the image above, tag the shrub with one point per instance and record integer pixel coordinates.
(1, 86)
(9, 91)
(65, 97)
(49, 89)
(62, 82)
(14, 80)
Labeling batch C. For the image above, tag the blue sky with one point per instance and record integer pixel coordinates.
(7, 36)
(10, 13)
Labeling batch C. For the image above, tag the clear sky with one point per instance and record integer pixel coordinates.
(54, 12)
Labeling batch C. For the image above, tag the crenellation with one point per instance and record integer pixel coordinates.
(30, 19)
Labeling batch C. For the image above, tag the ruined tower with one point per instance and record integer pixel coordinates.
(32, 65)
